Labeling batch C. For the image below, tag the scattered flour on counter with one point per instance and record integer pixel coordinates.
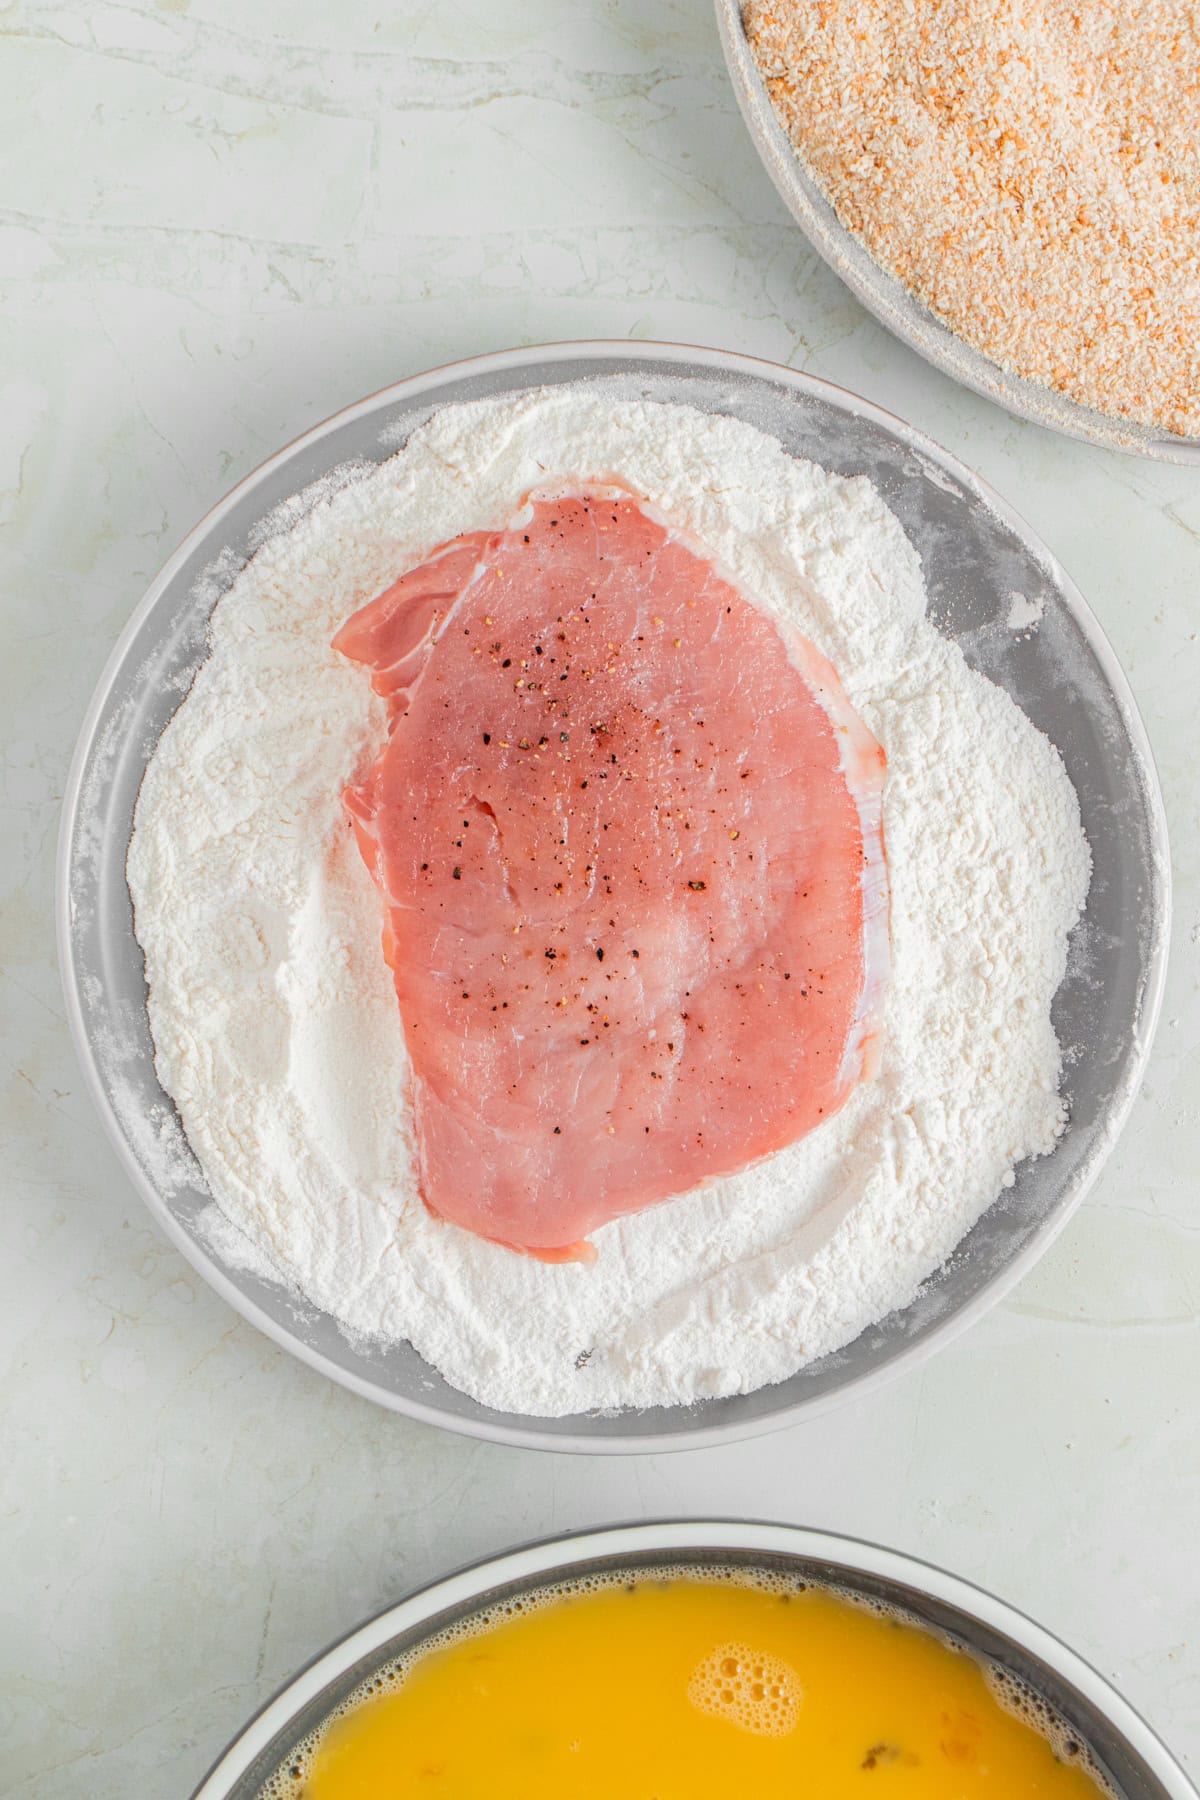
(277, 1029)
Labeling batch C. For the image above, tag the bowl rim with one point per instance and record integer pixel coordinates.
(896, 308)
(616, 1441)
(469, 1581)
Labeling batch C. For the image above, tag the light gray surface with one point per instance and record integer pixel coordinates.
(222, 222)
(888, 298)
(975, 558)
(1120, 1745)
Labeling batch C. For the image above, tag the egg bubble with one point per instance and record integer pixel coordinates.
(1024, 1702)
(750, 1688)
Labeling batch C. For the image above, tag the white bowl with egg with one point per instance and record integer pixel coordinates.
(1027, 1658)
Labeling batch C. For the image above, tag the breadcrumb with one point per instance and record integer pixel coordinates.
(1029, 169)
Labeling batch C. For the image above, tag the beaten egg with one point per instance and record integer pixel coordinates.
(673, 1688)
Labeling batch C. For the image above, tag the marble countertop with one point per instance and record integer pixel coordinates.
(220, 222)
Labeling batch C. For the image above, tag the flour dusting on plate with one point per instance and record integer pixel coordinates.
(275, 1023)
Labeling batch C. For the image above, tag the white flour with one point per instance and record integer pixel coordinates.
(277, 1028)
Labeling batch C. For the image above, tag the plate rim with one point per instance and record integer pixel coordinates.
(529, 1432)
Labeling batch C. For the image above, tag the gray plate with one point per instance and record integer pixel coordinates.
(892, 303)
(1137, 1765)
(976, 554)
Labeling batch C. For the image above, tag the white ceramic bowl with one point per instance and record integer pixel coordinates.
(976, 554)
(1140, 1767)
(892, 303)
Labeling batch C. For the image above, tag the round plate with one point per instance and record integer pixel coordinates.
(976, 555)
(1140, 1767)
(892, 303)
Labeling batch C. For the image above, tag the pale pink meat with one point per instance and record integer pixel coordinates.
(627, 833)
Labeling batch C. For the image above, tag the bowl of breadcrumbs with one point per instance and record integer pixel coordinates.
(1011, 186)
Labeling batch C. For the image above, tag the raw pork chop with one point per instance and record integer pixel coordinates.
(627, 831)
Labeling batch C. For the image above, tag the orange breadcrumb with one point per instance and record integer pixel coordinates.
(1030, 169)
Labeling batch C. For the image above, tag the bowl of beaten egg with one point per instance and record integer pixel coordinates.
(243, 1043)
(701, 1658)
